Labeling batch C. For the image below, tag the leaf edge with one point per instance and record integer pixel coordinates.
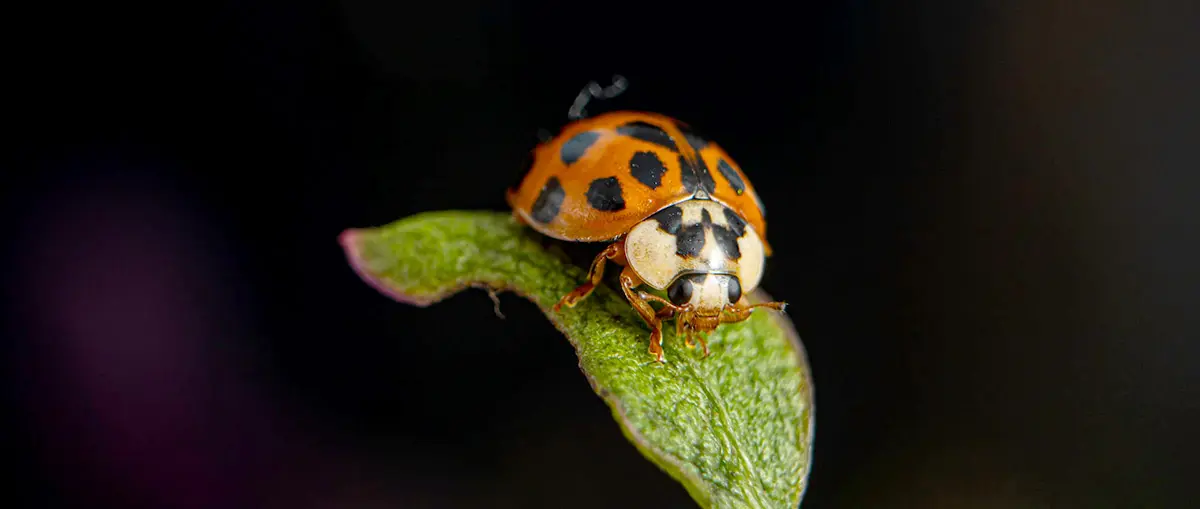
(668, 463)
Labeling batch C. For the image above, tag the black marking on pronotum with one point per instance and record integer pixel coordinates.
(727, 241)
(648, 132)
(735, 180)
(545, 208)
(605, 194)
(574, 148)
(696, 176)
(647, 168)
(689, 241)
(705, 218)
(669, 219)
(735, 223)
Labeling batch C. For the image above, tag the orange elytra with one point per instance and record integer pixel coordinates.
(678, 211)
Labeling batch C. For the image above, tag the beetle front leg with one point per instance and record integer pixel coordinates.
(629, 281)
(669, 310)
(615, 252)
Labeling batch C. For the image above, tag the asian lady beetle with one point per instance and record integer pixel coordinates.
(643, 182)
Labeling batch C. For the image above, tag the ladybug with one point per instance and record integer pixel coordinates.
(679, 213)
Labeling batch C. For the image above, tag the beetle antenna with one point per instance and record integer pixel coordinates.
(594, 89)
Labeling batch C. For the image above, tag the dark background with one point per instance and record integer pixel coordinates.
(985, 219)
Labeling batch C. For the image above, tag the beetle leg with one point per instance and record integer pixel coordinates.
(668, 310)
(629, 281)
(683, 331)
(614, 251)
(742, 310)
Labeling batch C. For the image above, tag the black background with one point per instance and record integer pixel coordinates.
(984, 218)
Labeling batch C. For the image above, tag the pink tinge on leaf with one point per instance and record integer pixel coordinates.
(351, 244)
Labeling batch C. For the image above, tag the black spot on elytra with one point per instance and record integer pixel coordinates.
(648, 132)
(735, 180)
(545, 208)
(669, 219)
(705, 177)
(689, 178)
(689, 241)
(647, 168)
(735, 223)
(605, 194)
(696, 176)
(693, 138)
(727, 241)
(575, 147)
(735, 289)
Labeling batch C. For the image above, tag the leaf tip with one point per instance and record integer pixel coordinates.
(351, 242)
(348, 237)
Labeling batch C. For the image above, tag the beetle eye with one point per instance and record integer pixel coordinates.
(734, 287)
(680, 291)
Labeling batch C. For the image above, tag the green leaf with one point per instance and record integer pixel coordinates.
(734, 428)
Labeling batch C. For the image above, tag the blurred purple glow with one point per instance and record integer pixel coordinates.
(133, 396)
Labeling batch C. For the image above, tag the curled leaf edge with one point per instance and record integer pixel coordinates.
(667, 462)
